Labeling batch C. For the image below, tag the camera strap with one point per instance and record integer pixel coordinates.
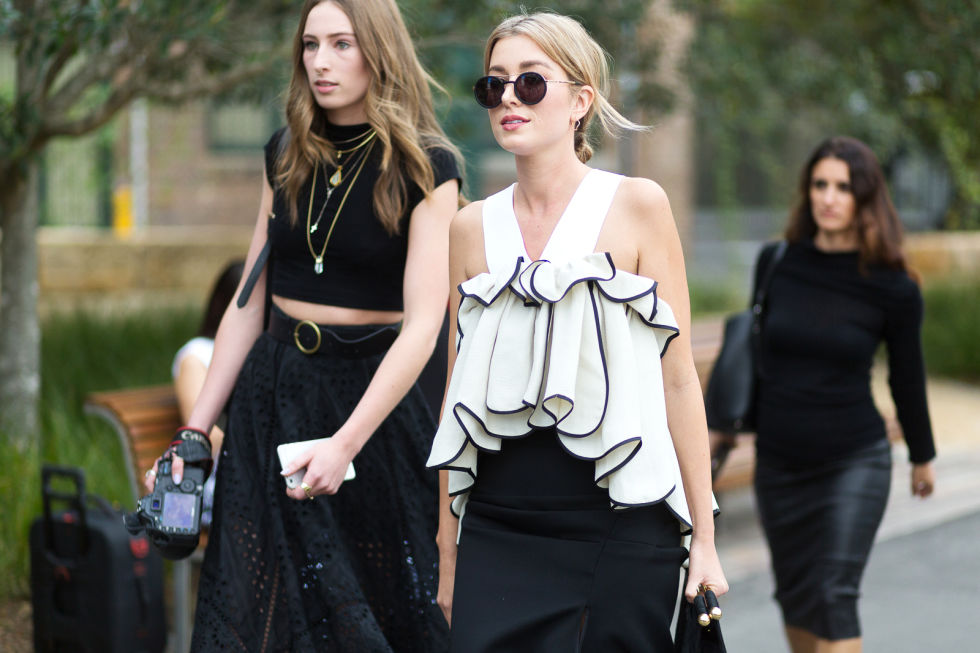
(194, 447)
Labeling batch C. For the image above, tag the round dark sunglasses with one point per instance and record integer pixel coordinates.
(530, 88)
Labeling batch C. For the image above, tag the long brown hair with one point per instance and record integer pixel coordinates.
(878, 227)
(398, 104)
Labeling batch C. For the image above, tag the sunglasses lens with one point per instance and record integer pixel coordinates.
(530, 88)
(488, 92)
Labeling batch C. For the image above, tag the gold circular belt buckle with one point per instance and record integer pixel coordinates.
(316, 329)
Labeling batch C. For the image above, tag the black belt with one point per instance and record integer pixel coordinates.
(348, 341)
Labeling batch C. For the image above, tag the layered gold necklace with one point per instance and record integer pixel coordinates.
(364, 146)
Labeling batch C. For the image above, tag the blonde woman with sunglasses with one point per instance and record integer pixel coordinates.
(573, 443)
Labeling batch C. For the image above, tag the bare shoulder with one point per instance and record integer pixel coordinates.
(643, 198)
(466, 255)
(467, 224)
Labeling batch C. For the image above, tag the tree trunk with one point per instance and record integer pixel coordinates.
(20, 337)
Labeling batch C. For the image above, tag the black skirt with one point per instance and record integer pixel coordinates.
(354, 572)
(545, 564)
(820, 522)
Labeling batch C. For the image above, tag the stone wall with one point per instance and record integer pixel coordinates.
(161, 266)
(175, 266)
(943, 255)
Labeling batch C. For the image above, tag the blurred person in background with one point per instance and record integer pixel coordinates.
(823, 458)
(347, 290)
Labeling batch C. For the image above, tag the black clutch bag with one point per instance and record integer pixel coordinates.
(691, 637)
(729, 400)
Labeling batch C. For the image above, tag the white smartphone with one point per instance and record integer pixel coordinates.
(290, 450)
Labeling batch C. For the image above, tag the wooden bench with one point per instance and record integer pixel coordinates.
(145, 420)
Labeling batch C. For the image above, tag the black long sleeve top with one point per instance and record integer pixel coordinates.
(823, 322)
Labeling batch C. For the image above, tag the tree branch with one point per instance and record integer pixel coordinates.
(182, 91)
(94, 119)
(56, 63)
(120, 53)
(169, 92)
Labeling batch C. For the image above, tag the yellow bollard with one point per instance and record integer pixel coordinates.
(122, 211)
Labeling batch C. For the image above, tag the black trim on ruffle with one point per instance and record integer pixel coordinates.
(533, 270)
(526, 290)
(478, 299)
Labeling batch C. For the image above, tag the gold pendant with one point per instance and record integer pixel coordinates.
(318, 266)
(336, 177)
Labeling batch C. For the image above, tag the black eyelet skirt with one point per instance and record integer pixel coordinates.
(820, 522)
(353, 572)
(545, 564)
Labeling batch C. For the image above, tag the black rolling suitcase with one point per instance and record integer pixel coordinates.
(95, 588)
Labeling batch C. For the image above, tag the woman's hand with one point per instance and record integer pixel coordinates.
(326, 465)
(704, 567)
(923, 479)
(176, 471)
(447, 579)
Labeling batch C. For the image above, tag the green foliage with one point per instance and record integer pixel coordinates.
(79, 62)
(715, 299)
(19, 492)
(81, 353)
(949, 329)
(782, 76)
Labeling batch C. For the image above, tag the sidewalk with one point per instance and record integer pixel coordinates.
(924, 573)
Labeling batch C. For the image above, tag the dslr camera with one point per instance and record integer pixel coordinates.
(171, 513)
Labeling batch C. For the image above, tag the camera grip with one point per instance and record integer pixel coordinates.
(194, 447)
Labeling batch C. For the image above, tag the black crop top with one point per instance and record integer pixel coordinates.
(363, 266)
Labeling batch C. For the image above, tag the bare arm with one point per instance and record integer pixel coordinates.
(660, 257)
(239, 329)
(465, 244)
(426, 289)
(191, 373)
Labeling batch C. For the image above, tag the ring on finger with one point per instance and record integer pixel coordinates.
(150, 473)
(308, 489)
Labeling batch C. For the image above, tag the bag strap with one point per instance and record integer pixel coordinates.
(253, 274)
(758, 307)
(763, 289)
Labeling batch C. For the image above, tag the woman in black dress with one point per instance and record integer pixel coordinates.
(824, 461)
(573, 436)
(347, 294)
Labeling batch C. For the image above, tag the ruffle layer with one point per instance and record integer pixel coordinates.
(576, 346)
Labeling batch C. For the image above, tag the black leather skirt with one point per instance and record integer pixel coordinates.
(820, 522)
(545, 564)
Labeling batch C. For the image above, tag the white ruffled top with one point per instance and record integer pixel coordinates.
(569, 342)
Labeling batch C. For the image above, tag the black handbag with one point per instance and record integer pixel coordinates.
(691, 637)
(729, 400)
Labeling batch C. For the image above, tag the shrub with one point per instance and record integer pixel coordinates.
(81, 353)
(950, 329)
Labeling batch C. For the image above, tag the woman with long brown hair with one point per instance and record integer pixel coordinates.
(823, 459)
(347, 290)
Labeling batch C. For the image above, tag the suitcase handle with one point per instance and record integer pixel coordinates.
(75, 501)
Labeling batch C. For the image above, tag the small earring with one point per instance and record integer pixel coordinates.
(578, 123)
